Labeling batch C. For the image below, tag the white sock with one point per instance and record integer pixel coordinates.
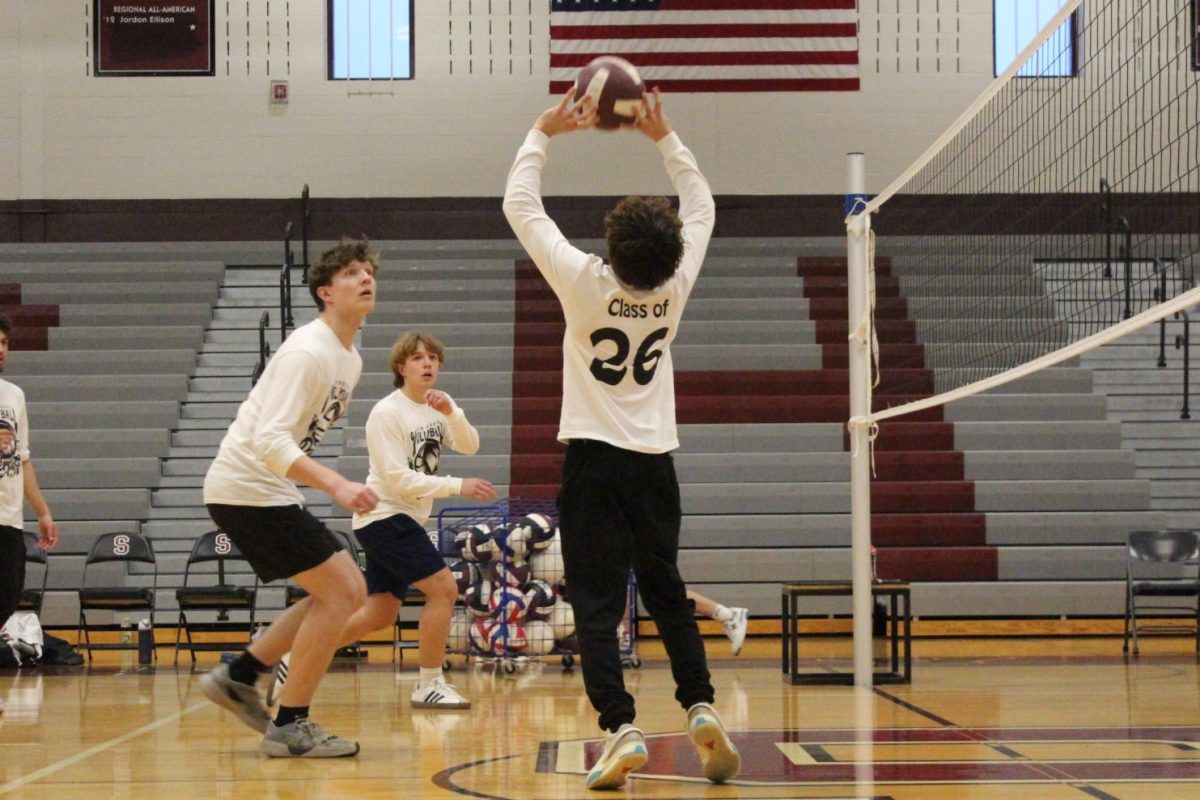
(428, 675)
(722, 614)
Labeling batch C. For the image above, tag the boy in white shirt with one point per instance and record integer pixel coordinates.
(406, 434)
(251, 494)
(619, 502)
(18, 482)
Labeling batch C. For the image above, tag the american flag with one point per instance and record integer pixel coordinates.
(711, 45)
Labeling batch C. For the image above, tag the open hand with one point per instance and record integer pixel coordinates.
(569, 115)
(652, 121)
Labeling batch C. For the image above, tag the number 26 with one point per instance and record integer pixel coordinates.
(612, 370)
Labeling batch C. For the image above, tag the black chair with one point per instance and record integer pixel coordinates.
(32, 599)
(217, 549)
(1174, 553)
(126, 549)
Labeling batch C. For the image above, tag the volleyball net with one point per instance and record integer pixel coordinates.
(1059, 212)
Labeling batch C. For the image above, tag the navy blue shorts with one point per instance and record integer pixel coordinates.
(399, 553)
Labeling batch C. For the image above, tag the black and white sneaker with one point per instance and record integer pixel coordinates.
(438, 694)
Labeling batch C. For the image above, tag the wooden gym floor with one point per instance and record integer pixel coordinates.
(1010, 718)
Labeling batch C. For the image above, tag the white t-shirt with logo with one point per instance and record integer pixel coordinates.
(618, 381)
(405, 441)
(13, 451)
(303, 391)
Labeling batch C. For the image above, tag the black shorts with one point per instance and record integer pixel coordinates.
(12, 570)
(399, 553)
(278, 541)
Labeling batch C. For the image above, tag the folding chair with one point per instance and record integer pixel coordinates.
(1174, 552)
(32, 599)
(213, 548)
(125, 549)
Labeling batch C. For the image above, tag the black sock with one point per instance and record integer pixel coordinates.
(289, 714)
(245, 668)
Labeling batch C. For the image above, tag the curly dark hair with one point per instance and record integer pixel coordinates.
(347, 250)
(5, 325)
(644, 241)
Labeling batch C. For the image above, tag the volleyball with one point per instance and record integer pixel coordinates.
(548, 563)
(562, 619)
(515, 575)
(476, 598)
(507, 603)
(513, 542)
(465, 573)
(539, 599)
(476, 544)
(508, 638)
(616, 88)
(539, 637)
(481, 635)
(540, 530)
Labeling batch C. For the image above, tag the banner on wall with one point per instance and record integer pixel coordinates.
(134, 38)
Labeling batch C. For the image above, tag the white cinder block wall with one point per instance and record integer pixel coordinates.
(452, 131)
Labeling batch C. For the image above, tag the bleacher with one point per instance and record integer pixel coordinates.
(1027, 487)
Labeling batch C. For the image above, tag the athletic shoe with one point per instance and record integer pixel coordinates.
(278, 679)
(240, 698)
(305, 739)
(719, 758)
(438, 694)
(624, 751)
(735, 628)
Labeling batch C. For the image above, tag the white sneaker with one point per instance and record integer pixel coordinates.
(438, 694)
(735, 628)
(718, 755)
(624, 751)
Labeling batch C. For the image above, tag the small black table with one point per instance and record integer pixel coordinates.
(899, 596)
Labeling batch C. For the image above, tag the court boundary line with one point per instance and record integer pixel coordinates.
(83, 755)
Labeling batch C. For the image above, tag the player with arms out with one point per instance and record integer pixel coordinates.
(619, 503)
(251, 494)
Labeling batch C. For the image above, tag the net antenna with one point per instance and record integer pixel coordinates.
(1055, 215)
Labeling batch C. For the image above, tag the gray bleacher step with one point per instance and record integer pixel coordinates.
(99, 388)
(1067, 527)
(181, 481)
(926, 311)
(182, 530)
(1011, 287)
(108, 414)
(937, 331)
(1178, 488)
(1165, 434)
(95, 504)
(1017, 465)
(1053, 380)
(85, 362)
(1171, 474)
(105, 315)
(1020, 598)
(978, 356)
(127, 292)
(127, 337)
(90, 472)
(217, 423)
(1167, 459)
(1062, 495)
(102, 443)
(1005, 408)
(1116, 383)
(1020, 435)
(112, 271)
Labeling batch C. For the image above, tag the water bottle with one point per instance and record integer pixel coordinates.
(145, 642)
(126, 630)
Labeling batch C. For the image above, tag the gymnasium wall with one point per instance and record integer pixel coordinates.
(452, 131)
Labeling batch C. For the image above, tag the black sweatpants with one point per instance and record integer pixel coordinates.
(12, 570)
(619, 508)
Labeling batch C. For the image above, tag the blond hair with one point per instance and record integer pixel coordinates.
(405, 346)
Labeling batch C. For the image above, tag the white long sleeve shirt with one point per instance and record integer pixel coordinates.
(303, 391)
(405, 441)
(618, 381)
(13, 419)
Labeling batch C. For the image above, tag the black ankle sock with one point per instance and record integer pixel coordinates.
(289, 714)
(245, 668)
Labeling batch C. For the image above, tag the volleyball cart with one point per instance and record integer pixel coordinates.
(514, 604)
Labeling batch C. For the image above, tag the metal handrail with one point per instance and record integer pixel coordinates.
(1160, 268)
(286, 322)
(1184, 341)
(1107, 209)
(304, 215)
(1127, 253)
(264, 348)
